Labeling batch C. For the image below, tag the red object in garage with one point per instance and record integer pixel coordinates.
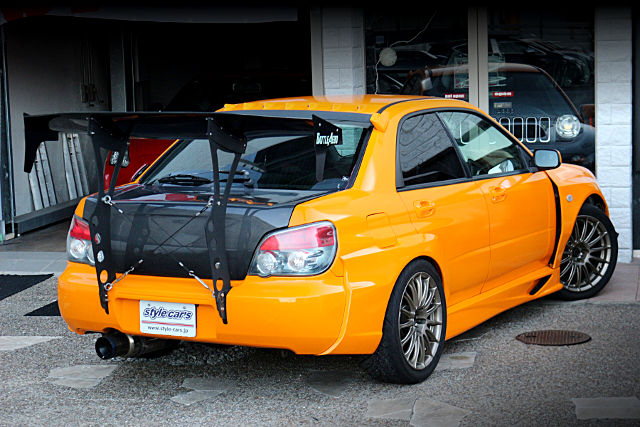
(142, 152)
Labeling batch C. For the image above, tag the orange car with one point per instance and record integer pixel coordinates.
(376, 225)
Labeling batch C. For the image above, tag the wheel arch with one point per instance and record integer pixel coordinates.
(597, 201)
(435, 265)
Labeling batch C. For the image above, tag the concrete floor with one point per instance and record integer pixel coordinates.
(52, 238)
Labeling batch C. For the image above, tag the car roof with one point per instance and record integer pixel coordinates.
(363, 104)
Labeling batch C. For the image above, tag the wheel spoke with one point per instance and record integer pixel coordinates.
(604, 261)
(407, 312)
(431, 294)
(584, 230)
(573, 271)
(587, 276)
(566, 269)
(406, 298)
(426, 293)
(432, 337)
(407, 337)
(408, 324)
(595, 270)
(592, 232)
(433, 308)
(597, 239)
(421, 351)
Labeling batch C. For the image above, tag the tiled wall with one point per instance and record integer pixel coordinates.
(613, 48)
(342, 43)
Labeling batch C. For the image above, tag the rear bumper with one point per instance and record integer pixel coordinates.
(303, 315)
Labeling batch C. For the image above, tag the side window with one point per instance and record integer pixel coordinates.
(425, 152)
(486, 150)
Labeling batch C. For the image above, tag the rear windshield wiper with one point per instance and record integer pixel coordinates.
(183, 179)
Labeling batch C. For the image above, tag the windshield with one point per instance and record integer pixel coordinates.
(273, 160)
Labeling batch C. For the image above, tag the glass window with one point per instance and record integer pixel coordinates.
(425, 151)
(404, 46)
(486, 150)
(274, 159)
(541, 78)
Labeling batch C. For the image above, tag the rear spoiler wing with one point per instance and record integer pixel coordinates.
(111, 131)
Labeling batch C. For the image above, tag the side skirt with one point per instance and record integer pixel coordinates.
(472, 312)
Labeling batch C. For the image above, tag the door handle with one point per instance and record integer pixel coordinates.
(498, 193)
(424, 208)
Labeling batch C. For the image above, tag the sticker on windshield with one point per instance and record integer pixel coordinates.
(327, 134)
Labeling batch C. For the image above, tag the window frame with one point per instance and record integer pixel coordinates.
(400, 186)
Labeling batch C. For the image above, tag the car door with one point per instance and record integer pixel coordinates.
(444, 203)
(520, 202)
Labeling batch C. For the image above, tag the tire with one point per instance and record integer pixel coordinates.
(412, 339)
(590, 256)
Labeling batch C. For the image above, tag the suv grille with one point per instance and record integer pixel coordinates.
(529, 129)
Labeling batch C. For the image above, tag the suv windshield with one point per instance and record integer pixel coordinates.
(511, 92)
(274, 159)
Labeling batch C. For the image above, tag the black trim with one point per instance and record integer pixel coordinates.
(380, 111)
(104, 135)
(433, 184)
(356, 167)
(543, 281)
(556, 194)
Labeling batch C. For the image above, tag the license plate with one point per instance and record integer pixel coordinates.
(168, 318)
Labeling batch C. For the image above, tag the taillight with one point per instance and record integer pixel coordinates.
(299, 251)
(79, 242)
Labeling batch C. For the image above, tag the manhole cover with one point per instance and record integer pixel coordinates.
(553, 337)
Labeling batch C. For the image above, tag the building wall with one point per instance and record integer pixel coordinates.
(613, 50)
(343, 56)
(343, 50)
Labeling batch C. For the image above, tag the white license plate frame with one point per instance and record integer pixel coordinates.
(168, 318)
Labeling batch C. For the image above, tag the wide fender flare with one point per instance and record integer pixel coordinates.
(575, 187)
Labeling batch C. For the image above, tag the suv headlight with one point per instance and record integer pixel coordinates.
(298, 251)
(567, 126)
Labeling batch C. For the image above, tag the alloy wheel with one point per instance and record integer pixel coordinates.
(420, 320)
(587, 256)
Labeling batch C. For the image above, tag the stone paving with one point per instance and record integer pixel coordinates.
(419, 407)
(81, 376)
(607, 407)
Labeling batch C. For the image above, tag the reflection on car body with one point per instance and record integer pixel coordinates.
(423, 219)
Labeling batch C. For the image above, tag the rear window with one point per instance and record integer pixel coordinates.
(273, 160)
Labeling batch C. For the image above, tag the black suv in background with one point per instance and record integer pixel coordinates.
(522, 98)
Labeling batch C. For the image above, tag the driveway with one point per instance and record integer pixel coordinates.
(51, 376)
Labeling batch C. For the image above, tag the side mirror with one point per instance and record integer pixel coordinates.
(546, 159)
